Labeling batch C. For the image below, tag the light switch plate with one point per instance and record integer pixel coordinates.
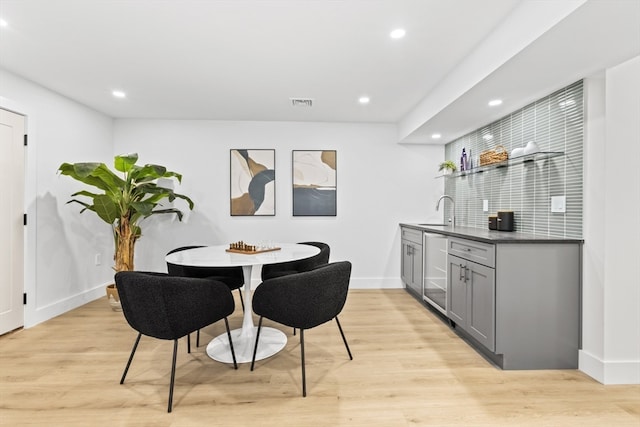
(559, 204)
(485, 206)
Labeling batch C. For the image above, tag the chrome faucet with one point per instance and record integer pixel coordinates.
(452, 220)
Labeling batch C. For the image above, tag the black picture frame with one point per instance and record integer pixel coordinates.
(252, 182)
(314, 182)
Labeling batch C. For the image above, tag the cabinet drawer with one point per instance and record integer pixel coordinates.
(482, 253)
(412, 235)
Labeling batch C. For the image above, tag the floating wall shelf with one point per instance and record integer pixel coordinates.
(535, 157)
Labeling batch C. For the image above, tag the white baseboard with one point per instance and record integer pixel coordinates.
(41, 314)
(609, 372)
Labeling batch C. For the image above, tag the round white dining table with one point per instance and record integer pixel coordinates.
(271, 340)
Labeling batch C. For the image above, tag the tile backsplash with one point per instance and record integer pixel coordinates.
(555, 124)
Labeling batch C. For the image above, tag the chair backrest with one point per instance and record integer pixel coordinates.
(175, 269)
(316, 260)
(169, 307)
(307, 299)
(220, 273)
(289, 267)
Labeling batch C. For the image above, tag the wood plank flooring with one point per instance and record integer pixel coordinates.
(409, 369)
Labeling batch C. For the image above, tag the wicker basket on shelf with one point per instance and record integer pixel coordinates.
(497, 155)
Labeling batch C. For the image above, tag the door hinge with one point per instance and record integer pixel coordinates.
(24, 219)
(25, 139)
(24, 298)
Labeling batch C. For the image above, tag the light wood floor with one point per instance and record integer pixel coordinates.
(409, 369)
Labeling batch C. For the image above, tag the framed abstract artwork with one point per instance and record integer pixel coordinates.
(314, 182)
(253, 179)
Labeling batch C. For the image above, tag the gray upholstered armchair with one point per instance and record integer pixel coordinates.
(168, 308)
(269, 271)
(230, 276)
(304, 301)
(233, 277)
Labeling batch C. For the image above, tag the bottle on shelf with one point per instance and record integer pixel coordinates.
(463, 160)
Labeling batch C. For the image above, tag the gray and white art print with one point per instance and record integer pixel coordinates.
(314, 182)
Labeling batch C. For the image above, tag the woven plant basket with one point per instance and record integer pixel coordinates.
(499, 154)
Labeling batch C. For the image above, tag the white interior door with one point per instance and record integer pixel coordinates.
(11, 221)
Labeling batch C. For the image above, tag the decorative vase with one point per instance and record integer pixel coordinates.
(517, 152)
(531, 148)
(113, 298)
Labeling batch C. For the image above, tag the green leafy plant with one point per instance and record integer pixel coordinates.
(126, 200)
(448, 165)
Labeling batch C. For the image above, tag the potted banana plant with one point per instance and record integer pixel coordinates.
(122, 200)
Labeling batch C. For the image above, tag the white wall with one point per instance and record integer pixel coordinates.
(592, 354)
(60, 244)
(380, 184)
(611, 289)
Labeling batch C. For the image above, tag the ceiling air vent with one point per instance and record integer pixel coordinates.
(301, 102)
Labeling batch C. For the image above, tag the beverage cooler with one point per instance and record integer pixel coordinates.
(434, 290)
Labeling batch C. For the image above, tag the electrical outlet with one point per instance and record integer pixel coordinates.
(485, 206)
(98, 259)
(559, 204)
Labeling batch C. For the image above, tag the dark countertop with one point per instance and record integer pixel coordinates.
(490, 236)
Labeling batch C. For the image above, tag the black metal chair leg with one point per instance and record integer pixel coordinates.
(188, 343)
(233, 353)
(344, 339)
(255, 348)
(304, 379)
(173, 374)
(133, 351)
(198, 338)
(294, 332)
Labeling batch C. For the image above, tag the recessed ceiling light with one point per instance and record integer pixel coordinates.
(364, 100)
(495, 102)
(398, 33)
(3, 23)
(436, 136)
(119, 94)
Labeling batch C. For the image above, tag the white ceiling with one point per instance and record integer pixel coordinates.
(245, 59)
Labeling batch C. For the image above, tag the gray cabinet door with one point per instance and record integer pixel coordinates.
(457, 291)
(472, 300)
(416, 277)
(412, 266)
(406, 261)
(481, 303)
